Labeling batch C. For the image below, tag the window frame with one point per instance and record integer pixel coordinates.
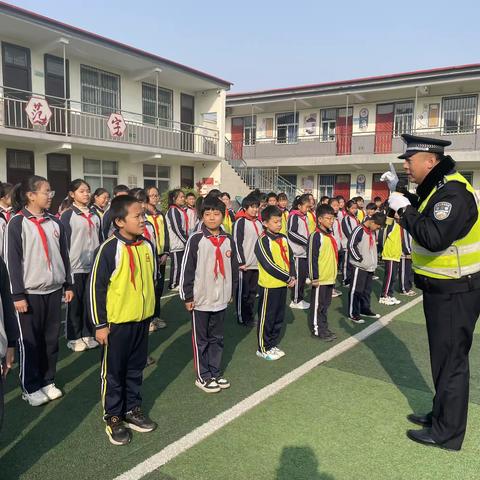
(459, 130)
(100, 175)
(100, 109)
(295, 124)
(157, 178)
(162, 122)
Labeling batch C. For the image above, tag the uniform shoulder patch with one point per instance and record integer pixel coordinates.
(442, 210)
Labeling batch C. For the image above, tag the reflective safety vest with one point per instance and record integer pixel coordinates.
(461, 258)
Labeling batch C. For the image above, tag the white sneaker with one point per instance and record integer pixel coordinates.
(410, 293)
(35, 399)
(386, 301)
(395, 301)
(375, 277)
(52, 392)
(159, 323)
(307, 281)
(210, 386)
(301, 305)
(90, 342)
(279, 352)
(336, 293)
(270, 355)
(77, 345)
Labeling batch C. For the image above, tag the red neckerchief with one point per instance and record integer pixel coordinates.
(185, 217)
(332, 239)
(131, 260)
(219, 265)
(146, 233)
(283, 251)
(371, 241)
(339, 228)
(244, 214)
(302, 217)
(43, 236)
(354, 217)
(6, 213)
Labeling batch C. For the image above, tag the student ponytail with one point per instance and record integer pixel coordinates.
(172, 196)
(20, 190)
(73, 187)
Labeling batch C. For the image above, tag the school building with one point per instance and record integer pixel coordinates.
(338, 138)
(75, 104)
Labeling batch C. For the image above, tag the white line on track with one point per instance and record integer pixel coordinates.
(201, 433)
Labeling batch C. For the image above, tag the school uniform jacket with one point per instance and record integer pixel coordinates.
(9, 332)
(311, 221)
(178, 227)
(3, 228)
(406, 243)
(192, 219)
(159, 222)
(121, 287)
(390, 243)
(82, 230)
(322, 257)
(349, 223)
(228, 221)
(245, 235)
(297, 231)
(337, 231)
(276, 266)
(209, 273)
(285, 214)
(36, 256)
(98, 211)
(107, 224)
(362, 249)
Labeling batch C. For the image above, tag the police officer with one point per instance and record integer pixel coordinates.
(443, 219)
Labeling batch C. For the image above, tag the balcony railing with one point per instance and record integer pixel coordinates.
(82, 120)
(356, 143)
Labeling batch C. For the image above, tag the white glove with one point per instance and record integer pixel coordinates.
(397, 201)
(391, 179)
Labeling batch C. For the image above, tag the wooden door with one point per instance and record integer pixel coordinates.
(384, 128)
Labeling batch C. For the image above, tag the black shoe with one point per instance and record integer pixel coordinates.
(332, 334)
(422, 420)
(370, 314)
(137, 420)
(356, 319)
(424, 436)
(117, 432)
(326, 337)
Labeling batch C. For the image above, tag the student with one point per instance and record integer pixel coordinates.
(36, 254)
(338, 236)
(349, 222)
(405, 270)
(272, 199)
(379, 204)
(121, 302)
(107, 224)
(276, 273)
(360, 208)
(297, 232)
(325, 200)
(371, 209)
(362, 254)
(190, 200)
(229, 218)
(8, 332)
(341, 207)
(178, 228)
(391, 247)
(157, 219)
(207, 283)
(100, 199)
(82, 229)
(312, 221)
(246, 231)
(283, 206)
(5, 211)
(322, 263)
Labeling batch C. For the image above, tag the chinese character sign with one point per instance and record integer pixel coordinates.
(116, 125)
(38, 111)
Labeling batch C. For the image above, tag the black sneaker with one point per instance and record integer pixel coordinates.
(208, 386)
(117, 432)
(332, 334)
(371, 314)
(137, 420)
(356, 319)
(222, 382)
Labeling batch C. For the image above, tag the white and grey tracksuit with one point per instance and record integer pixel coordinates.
(178, 228)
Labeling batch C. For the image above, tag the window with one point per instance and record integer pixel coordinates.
(468, 176)
(186, 177)
(165, 105)
(287, 127)
(328, 124)
(459, 114)
(326, 185)
(403, 119)
(156, 176)
(249, 130)
(20, 164)
(100, 91)
(100, 173)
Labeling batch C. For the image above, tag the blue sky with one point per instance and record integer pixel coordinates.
(272, 44)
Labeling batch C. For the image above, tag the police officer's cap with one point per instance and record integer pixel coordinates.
(423, 144)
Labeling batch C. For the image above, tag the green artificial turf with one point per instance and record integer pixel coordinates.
(66, 440)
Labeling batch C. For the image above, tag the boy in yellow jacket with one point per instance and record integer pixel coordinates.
(391, 248)
(322, 265)
(276, 268)
(121, 298)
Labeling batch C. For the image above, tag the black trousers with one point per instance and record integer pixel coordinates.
(246, 292)
(175, 267)
(451, 320)
(159, 290)
(405, 276)
(391, 273)
(271, 313)
(347, 268)
(78, 323)
(2, 403)
(320, 300)
(207, 341)
(301, 265)
(38, 342)
(123, 361)
(360, 291)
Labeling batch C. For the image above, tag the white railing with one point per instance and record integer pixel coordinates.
(76, 121)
